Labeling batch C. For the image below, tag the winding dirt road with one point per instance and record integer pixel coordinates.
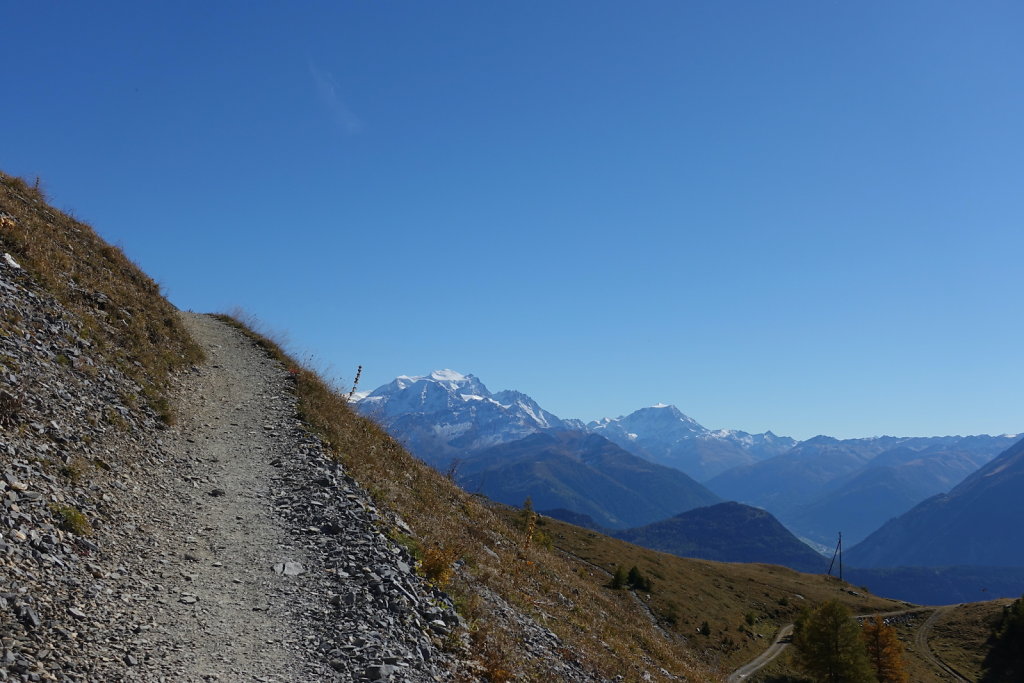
(774, 650)
(781, 642)
(923, 649)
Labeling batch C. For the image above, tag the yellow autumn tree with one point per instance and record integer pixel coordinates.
(885, 651)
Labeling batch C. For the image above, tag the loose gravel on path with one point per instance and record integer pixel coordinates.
(225, 612)
(273, 559)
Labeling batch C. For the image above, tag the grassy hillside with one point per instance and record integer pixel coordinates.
(960, 635)
(125, 320)
(743, 604)
(728, 532)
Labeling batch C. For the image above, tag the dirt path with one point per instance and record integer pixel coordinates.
(263, 559)
(923, 649)
(774, 650)
(225, 611)
(781, 642)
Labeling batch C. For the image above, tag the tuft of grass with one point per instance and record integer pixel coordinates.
(10, 410)
(437, 565)
(71, 519)
(75, 470)
(494, 648)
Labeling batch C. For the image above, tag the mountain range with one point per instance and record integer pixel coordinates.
(446, 415)
(825, 485)
(664, 435)
(584, 473)
(728, 532)
(632, 470)
(976, 523)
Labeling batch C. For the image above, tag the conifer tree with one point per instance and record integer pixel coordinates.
(618, 579)
(1005, 661)
(638, 581)
(885, 651)
(829, 646)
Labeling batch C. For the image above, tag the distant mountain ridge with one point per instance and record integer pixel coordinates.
(815, 487)
(892, 483)
(728, 532)
(825, 485)
(663, 434)
(446, 415)
(976, 523)
(583, 474)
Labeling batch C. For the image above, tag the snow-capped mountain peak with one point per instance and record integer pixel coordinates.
(448, 414)
(664, 434)
(447, 376)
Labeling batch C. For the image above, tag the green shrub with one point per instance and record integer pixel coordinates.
(71, 519)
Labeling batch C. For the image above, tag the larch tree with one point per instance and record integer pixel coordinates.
(830, 646)
(885, 651)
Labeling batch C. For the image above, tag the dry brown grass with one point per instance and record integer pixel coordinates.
(477, 553)
(960, 637)
(125, 318)
(743, 604)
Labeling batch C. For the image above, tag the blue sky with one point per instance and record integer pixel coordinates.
(797, 216)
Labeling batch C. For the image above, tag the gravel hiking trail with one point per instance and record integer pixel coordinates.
(229, 610)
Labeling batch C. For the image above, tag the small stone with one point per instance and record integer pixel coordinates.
(77, 613)
(188, 599)
(289, 569)
(131, 660)
(29, 617)
(216, 493)
(378, 671)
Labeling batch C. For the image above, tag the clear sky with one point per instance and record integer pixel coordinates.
(798, 216)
